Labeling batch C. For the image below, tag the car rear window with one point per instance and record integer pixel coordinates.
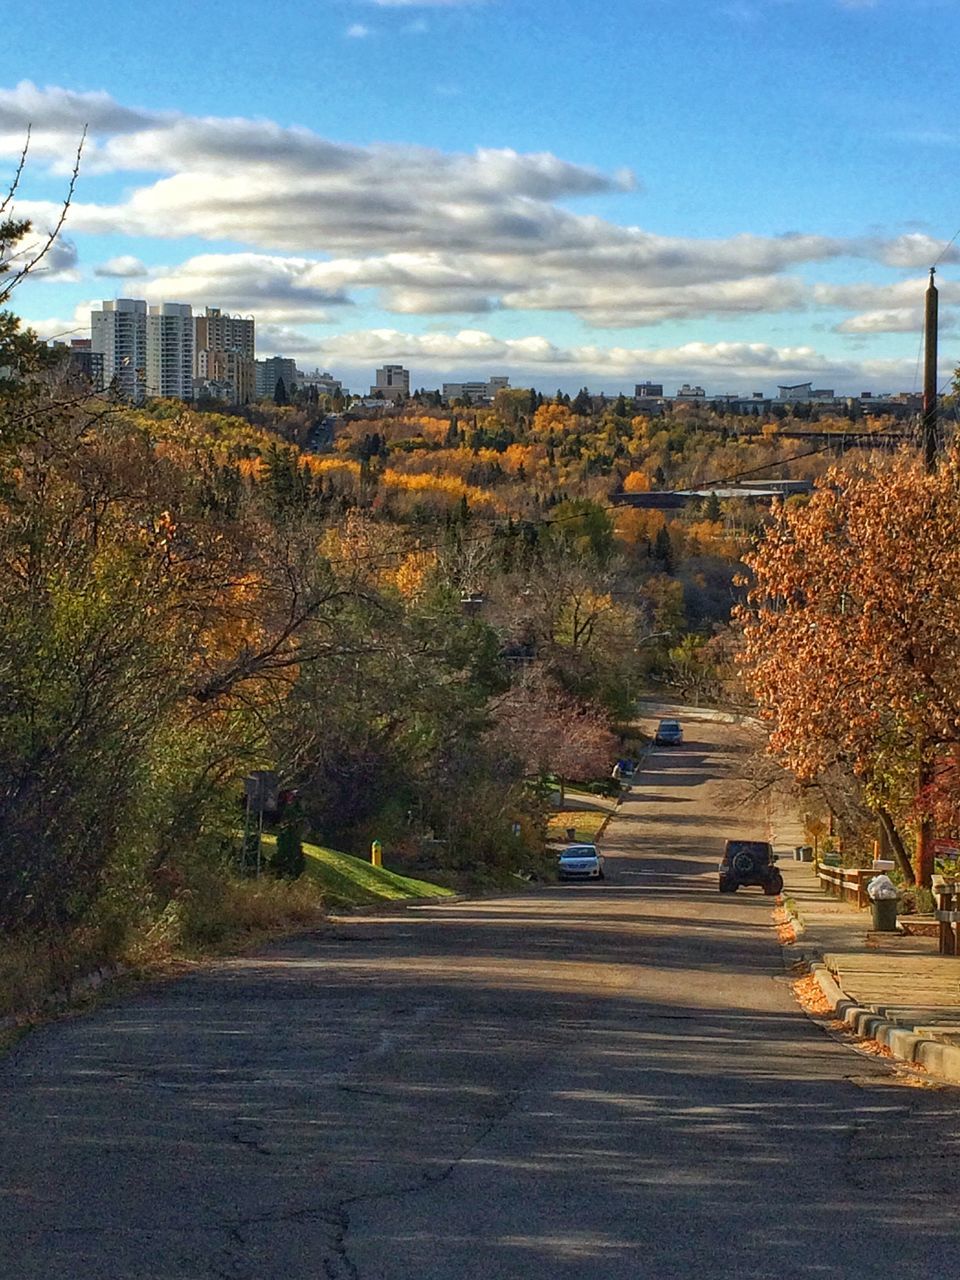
(580, 851)
(669, 724)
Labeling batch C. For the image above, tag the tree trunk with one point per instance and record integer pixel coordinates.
(901, 857)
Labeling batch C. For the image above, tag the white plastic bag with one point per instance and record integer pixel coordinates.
(881, 887)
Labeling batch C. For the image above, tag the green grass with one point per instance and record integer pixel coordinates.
(347, 881)
(586, 822)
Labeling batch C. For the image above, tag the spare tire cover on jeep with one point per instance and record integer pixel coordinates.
(747, 859)
(743, 863)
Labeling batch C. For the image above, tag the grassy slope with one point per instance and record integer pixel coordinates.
(349, 881)
(585, 812)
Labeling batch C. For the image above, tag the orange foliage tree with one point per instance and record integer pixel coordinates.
(852, 638)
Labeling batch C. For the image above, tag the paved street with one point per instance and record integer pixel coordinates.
(587, 1081)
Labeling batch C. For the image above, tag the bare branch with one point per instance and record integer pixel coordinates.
(52, 235)
(12, 189)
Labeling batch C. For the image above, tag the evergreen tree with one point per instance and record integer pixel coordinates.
(663, 549)
(582, 405)
(288, 861)
(279, 393)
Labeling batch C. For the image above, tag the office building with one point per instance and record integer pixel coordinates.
(393, 382)
(270, 372)
(475, 392)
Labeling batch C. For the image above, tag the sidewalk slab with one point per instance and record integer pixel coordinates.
(888, 987)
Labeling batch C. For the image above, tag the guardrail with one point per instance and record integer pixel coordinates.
(848, 883)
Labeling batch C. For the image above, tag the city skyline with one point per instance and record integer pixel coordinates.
(736, 201)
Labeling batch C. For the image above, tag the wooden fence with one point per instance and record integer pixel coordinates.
(848, 883)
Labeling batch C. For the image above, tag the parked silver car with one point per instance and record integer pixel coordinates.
(580, 862)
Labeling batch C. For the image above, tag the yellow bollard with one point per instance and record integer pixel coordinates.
(376, 853)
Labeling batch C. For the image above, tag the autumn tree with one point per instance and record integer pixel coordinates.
(549, 731)
(852, 638)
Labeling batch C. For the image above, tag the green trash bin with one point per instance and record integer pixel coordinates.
(884, 914)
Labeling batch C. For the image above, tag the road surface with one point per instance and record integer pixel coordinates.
(586, 1081)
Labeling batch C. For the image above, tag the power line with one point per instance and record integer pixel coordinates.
(946, 248)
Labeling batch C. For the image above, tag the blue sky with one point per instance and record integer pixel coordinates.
(738, 193)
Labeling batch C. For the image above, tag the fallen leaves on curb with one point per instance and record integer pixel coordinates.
(810, 997)
(874, 1048)
(786, 933)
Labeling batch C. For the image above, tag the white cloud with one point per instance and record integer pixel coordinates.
(895, 320)
(277, 290)
(357, 31)
(125, 267)
(418, 231)
(916, 250)
(718, 366)
(280, 339)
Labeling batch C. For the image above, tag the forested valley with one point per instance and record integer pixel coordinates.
(420, 622)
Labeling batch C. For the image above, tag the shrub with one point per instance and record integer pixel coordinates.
(288, 861)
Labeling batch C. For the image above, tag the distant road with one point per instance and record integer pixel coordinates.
(593, 1082)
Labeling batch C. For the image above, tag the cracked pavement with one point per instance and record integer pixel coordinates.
(584, 1080)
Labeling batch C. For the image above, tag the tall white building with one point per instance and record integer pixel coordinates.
(118, 332)
(170, 350)
(393, 382)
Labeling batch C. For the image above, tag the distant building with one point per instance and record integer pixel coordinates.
(474, 392)
(798, 392)
(217, 331)
(686, 392)
(223, 362)
(270, 372)
(648, 390)
(118, 334)
(169, 368)
(325, 383)
(225, 375)
(805, 393)
(87, 362)
(393, 382)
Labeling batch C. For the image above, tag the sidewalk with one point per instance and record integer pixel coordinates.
(885, 986)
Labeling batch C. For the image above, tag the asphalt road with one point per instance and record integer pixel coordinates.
(588, 1081)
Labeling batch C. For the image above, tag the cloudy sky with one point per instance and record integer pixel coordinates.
(738, 193)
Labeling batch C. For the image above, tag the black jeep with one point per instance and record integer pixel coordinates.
(749, 862)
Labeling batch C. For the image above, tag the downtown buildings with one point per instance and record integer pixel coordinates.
(163, 349)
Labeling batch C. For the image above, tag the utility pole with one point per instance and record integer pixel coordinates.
(931, 433)
(931, 447)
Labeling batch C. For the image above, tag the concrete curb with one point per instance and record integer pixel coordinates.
(939, 1059)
